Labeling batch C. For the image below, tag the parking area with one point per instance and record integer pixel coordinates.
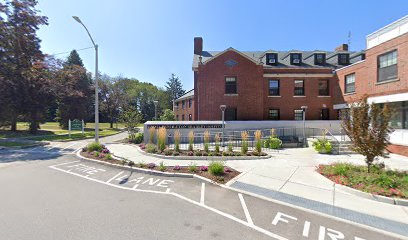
(272, 218)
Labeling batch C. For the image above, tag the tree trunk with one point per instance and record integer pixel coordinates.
(33, 124)
(13, 122)
(111, 124)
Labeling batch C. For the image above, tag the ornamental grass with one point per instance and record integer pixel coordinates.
(217, 139)
(161, 138)
(206, 141)
(244, 142)
(177, 136)
(258, 141)
(191, 140)
(152, 132)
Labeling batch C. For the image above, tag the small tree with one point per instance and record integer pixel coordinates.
(368, 129)
(131, 118)
(168, 115)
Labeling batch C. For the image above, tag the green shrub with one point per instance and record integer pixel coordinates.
(94, 147)
(168, 152)
(230, 146)
(138, 138)
(274, 143)
(198, 153)
(265, 143)
(141, 164)
(162, 167)
(151, 148)
(322, 146)
(192, 167)
(109, 156)
(96, 154)
(216, 168)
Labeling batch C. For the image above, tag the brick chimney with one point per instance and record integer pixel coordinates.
(198, 45)
(342, 47)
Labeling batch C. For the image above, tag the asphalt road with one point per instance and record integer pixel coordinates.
(54, 195)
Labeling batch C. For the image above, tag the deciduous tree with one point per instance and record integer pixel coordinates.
(367, 127)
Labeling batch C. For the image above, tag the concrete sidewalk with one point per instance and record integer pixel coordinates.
(291, 173)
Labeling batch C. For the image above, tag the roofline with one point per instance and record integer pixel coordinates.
(181, 98)
(226, 50)
(405, 18)
(349, 65)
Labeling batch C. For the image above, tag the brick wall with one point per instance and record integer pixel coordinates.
(179, 111)
(366, 72)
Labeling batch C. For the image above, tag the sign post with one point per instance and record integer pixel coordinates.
(69, 127)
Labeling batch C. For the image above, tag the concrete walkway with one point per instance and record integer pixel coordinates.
(291, 172)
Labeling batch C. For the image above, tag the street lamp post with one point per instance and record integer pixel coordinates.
(304, 124)
(155, 109)
(223, 107)
(96, 81)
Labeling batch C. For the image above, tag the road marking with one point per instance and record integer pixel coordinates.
(167, 190)
(306, 229)
(136, 186)
(117, 175)
(52, 147)
(64, 163)
(70, 146)
(247, 215)
(202, 193)
(259, 229)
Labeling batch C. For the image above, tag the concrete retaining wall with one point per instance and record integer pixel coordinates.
(294, 128)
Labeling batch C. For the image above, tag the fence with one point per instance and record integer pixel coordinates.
(290, 137)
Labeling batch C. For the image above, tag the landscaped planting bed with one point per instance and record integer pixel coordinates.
(152, 148)
(215, 170)
(379, 181)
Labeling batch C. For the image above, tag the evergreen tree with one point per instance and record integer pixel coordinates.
(74, 59)
(174, 88)
(21, 48)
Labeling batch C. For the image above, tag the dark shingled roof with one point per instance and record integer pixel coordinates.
(284, 59)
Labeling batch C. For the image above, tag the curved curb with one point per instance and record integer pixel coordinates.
(226, 158)
(379, 198)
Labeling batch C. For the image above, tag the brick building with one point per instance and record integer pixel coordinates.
(267, 85)
(274, 85)
(184, 107)
(382, 75)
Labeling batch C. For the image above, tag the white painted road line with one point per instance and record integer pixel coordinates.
(117, 175)
(259, 229)
(247, 215)
(202, 193)
(167, 190)
(55, 146)
(64, 163)
(136, 186)
(70, 146)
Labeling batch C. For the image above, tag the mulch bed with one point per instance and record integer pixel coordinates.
(224, 178)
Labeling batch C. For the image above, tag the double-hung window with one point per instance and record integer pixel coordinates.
(274, 114)
(273, 87)
(387, 66)
(323, 87)
(230, 85)
(299, 114)
(299, 87)
(350, 83)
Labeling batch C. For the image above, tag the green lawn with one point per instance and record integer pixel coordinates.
(379, 181)
(51, 131)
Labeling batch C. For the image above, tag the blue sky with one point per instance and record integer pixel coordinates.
(150, 39)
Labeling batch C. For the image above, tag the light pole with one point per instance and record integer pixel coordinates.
(223, 107)
(304, 124)
(155, 109)
(96, 81)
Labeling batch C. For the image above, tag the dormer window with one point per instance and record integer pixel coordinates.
(320, 58)
(271, 58)
(344, 59)
(295, 58)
